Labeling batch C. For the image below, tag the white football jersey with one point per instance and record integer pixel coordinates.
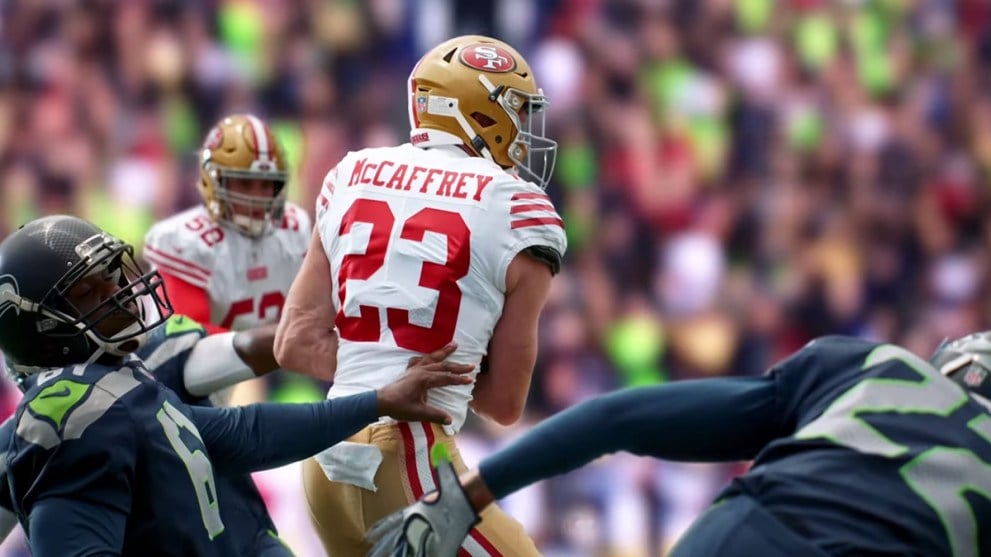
(419, 241)
(247, 279)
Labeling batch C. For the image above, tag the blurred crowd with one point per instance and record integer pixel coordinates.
(736, 177)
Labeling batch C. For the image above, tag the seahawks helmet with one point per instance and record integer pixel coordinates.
(967, 361)
(40, 327)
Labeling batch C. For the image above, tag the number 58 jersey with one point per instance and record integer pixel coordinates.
(220, 277)
(419, 241)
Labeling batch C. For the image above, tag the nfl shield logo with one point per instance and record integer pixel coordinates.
(974, 377)
(421, 104)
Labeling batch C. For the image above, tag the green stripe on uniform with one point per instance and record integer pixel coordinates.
(180, 325)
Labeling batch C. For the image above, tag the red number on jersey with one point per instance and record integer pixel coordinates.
(441, 277)
(246, 306)
(211, 234)
(361, 266)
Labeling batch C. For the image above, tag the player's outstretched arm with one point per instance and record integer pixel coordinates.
(262, 436)
(226, 359)
(305, 340)
(704, 420)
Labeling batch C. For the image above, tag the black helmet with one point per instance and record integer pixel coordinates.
(967, 361)
(39, 264)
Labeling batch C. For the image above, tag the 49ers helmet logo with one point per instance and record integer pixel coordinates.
(488, 58)
(214, 138)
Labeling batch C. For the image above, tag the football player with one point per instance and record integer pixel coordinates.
(859, 448)
(228, 262)
(193, 365)
(448, 237)
(106, 460)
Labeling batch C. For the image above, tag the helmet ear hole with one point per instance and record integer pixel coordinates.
(483, 120)
(498, 139)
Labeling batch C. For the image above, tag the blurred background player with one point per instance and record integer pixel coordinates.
(229, 261)
(104, 459)
(859, 448)
(448, 237)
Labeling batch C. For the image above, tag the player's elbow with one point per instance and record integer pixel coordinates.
(504, 411)
(509, 415)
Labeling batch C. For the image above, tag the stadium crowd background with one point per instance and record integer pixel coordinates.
(736, 176)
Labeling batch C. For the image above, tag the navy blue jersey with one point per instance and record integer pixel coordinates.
(242, 508)
(862, 449)
(94, 443)
(886, 456)
(106, 459)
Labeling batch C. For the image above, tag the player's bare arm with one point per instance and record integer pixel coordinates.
(500, 393)
(305, 340)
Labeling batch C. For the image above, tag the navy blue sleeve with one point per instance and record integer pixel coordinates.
(76, 529)
(703, 420)
(261, 436)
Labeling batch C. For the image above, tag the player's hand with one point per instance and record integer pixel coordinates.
(406, 398)
(434, 529)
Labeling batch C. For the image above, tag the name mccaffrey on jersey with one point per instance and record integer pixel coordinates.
(452, 184)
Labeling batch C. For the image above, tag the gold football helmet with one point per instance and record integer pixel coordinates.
(242, 147)
(478, 91)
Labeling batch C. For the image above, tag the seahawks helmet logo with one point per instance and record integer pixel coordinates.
(10, 297)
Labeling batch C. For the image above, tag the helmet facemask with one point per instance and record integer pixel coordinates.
(240, 209)
(140, 299)
(241, 147)
(532, 151)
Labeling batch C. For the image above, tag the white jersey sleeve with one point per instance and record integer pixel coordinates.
(327, 192)
(520, 215)
(183, 246)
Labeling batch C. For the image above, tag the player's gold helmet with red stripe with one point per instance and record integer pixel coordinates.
(241, 146)
(480, 92)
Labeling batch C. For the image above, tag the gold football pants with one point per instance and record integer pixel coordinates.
(342, 513)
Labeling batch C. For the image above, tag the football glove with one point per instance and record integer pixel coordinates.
(427, 529)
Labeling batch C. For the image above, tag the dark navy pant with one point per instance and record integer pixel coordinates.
(739, 527)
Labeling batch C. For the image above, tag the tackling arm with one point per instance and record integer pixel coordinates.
(305, 339)
(703, 420)
(261, 436)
